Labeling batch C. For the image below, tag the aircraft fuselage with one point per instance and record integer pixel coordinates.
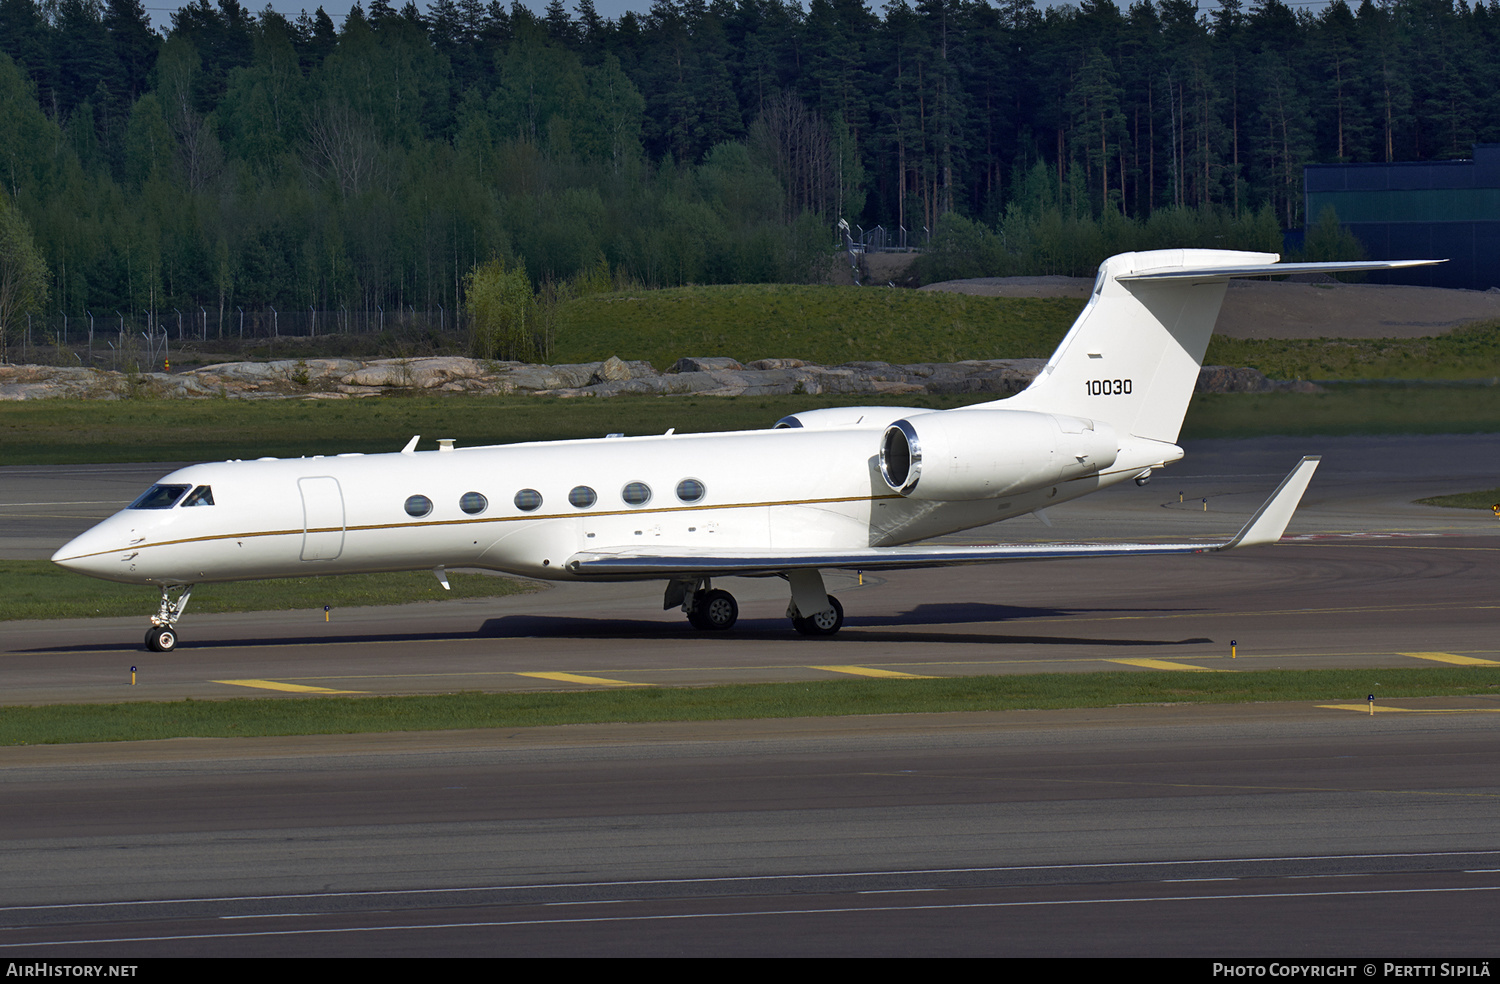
(525, 508)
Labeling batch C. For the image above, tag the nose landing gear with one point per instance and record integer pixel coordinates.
(162, 636)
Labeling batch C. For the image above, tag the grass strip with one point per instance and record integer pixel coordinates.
(138, 721)
(43, 432)
(46, 432)
(1340, 411)
(830, 325)
(1468, 352)
(39, 589)
(825, 325)
(1487, 499)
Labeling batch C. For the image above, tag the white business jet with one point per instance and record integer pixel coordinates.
(826, 489)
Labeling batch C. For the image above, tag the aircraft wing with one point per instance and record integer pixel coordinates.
(1266, 526)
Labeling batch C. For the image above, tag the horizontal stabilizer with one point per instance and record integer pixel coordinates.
(1269, 270)
(1133, 355)
(1266, 526)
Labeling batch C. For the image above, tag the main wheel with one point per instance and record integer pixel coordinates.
(823, 623)
(714, 611)
(161, 639)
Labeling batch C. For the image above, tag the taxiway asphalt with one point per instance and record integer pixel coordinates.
(1169, 831)
(1260, 830)
(1363, 578)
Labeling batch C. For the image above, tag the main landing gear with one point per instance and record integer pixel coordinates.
(821, 624)
(710, 609)
(713, 611)
(162, 636)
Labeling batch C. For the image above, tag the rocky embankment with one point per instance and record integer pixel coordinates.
(348, 378)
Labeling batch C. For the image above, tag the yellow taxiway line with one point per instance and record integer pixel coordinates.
(1163, 664)
(580, 678)
(870, 671)
(1452, 658)
(291, 688)
(1366, 709)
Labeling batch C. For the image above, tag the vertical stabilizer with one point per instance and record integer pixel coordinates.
(1132, 357)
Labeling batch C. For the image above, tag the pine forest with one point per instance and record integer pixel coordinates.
(230, 161)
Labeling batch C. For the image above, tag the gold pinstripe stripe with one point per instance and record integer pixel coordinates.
(478, 520)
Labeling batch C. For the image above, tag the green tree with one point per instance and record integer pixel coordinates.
(501, 311)
(1328, 241)
(23, 272)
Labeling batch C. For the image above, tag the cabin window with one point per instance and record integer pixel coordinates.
(418, 505)
(473, 502)
(528, 500)
(159, 497)
(636, 493)
(203, 495)
(582, 496)
(690, 490)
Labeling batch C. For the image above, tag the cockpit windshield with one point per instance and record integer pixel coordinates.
(160, 497)
(203, 495)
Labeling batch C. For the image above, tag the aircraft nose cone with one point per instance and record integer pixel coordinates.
(87, 553)
(67, 555)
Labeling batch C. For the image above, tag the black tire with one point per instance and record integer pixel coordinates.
(824, 623)
(714, 611)
(161, 639)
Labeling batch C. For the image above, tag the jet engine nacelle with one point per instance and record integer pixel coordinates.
(980, 454)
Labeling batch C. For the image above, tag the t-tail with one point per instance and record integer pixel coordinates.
(1132, 357)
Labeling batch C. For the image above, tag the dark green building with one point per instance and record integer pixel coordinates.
(1423, 210)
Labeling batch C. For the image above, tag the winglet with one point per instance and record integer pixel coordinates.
(411, 446)
(1269, 522)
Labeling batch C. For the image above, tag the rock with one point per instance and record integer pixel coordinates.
(612, 370)
(436, 372)
(1225, 379)
(551, 377)
(710, 364)
(343, 378)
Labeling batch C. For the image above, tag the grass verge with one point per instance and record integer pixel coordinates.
(49, 432)
(39, 589)
(70, 723)
(830, 325)
(1469, 352)
(1345, 410)
(826, 325)
(1487, 499)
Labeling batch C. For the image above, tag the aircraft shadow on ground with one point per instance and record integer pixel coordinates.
(917, 626)
(924, 624)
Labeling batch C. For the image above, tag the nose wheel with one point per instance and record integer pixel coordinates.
(162, 636)
(161, 639)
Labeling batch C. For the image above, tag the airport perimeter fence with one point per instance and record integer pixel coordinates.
(146, 341)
